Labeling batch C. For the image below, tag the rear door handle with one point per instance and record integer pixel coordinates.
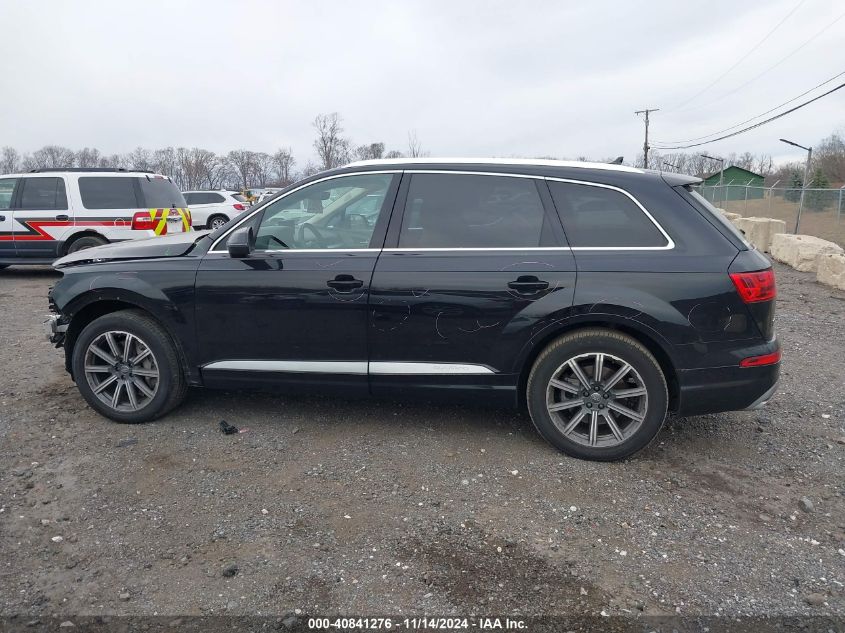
(2, 218)
(62, 218)
(528, 283)
(344, 282)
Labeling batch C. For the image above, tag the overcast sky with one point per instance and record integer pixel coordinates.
(472, 78)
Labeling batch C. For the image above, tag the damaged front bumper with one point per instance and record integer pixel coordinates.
(56, 326)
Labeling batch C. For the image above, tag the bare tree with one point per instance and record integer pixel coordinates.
(139, 158)
(372, 151)
(332, 149)
(829, 156)
(262, 168)
(414, 146)
(164, 162)
(309, 170)
(88, 157)
(243, 164)
(10, 160)
(50, 157)
(283, 162)
(394, 154)
(113, 161)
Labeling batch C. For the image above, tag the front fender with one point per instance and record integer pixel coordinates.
(164, 291)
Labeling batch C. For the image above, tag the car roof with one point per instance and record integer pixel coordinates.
(539, 166)
(82, 172)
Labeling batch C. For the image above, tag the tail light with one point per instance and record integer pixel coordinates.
(759, 361)
(756, 286)
(239, 207)
(142, 221)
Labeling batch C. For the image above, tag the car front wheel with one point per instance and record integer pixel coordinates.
(126, 367)
(597, 394)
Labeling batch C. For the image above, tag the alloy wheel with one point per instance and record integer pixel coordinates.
(216, 223)
(597, 400)
(122, 371)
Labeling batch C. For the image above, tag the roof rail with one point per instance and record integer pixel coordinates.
(41, 170)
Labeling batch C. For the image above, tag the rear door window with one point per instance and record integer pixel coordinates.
(116, 192)
(599, 217)
(474, 211)
(47, 194)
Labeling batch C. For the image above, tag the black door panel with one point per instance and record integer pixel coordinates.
(458, 292)
(280, 307)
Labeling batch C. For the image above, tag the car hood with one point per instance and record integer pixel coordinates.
(153, 247)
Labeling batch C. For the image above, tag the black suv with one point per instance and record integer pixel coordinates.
(600, 296)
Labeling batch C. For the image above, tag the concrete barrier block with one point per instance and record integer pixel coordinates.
(802, 251)
(831, 270)
(760, 231)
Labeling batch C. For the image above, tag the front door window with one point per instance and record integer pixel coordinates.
(339, 213)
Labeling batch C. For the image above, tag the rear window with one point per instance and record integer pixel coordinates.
(117, 192)
(238, 197)
(596, 217)
(160, 193)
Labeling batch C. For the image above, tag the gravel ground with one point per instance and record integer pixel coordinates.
(329, 506)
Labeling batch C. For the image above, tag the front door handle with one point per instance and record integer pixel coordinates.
(62, 218)
(528, 284)
(344, 282)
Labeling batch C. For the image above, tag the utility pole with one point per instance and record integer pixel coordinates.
(645, 144)
(804, 183)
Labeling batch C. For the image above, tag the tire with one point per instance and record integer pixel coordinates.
(163, 392)
(216, 221)
(87, 241)
(609, 423)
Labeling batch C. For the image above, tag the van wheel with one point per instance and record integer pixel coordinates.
(87, 241)
(597, 394)
(127, 368)
(216, 221)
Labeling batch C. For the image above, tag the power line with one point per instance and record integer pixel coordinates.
(778, 107)
(756, 125)
(770, 68)
(741, 59)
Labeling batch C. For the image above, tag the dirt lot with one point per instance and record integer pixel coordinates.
(329, 506)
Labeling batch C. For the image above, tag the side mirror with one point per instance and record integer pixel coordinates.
(241, 243)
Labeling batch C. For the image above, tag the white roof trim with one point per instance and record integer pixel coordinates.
(496, 161)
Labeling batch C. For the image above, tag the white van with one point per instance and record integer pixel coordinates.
(48, 213)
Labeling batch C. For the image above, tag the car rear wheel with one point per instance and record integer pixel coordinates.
(216, 221)
(127, 368)
(597, 394)
(88, 241)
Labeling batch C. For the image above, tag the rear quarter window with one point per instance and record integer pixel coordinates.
(600, 217)
(714, 214)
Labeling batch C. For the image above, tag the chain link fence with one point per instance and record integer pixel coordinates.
(822, 213)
